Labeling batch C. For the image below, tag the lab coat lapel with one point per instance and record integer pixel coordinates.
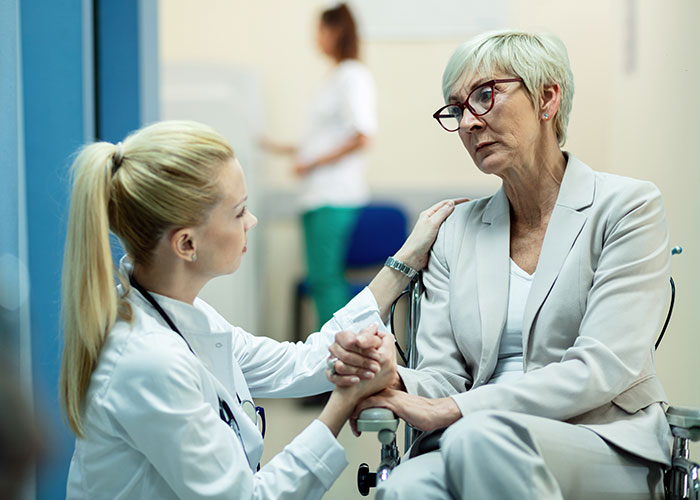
(215, 352)
(492, 254)
(250, 435)
(567, 220)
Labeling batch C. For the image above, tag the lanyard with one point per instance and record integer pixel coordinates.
(225, 412)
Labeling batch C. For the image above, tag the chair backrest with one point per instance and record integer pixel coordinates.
(379, 232)
(677, 250)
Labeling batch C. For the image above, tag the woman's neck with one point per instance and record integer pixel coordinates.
(172, 280)
(532, 189)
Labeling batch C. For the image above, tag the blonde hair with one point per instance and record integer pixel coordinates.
(162, 176)
(538, 58)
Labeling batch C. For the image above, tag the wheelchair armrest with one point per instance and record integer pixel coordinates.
(684, 422)
(377, 420)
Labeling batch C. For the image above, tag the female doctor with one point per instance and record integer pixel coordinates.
(156, 385)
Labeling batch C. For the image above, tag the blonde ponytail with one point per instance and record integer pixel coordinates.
(89, 299)
(162, 176)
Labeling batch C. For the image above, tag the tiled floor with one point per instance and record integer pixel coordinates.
(286, 418)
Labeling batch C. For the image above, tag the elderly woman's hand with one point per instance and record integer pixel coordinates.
(422, 413)
(414, 251)
(386, 376)
(344, 398)
(358, 356)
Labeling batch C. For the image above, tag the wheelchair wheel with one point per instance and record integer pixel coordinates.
(365, 479)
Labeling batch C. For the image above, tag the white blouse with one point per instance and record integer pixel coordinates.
(510, 352)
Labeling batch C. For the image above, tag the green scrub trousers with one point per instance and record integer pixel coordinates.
(327, 232)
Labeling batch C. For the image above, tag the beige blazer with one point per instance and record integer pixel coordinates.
(597, 302)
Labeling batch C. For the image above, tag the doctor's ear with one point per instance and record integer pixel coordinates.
(182, 243)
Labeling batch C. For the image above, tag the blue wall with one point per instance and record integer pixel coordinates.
(9, 173)
(9, 137)
(64, 99)
(54, 127)
(117, 68)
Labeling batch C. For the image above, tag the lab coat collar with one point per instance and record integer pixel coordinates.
(206, 333)
(187, 317)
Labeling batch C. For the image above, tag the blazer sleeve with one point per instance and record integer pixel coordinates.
(440, 369)
(625, 305)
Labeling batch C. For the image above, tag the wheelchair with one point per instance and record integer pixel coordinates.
(681, 479)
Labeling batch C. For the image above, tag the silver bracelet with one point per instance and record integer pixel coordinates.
(401, 267)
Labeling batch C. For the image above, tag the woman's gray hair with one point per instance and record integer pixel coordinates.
(539, 59)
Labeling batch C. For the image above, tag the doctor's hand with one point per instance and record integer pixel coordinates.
(415, 250)
(358, 356)
(344, 399)
(386, 376)
(422, 413)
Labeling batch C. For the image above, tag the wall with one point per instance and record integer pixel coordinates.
(655, 128)
(15, 346)
(49, 110)
(55, 108)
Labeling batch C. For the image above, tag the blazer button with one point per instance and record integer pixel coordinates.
(219, 345)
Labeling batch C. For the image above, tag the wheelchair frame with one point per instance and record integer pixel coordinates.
(681, 479)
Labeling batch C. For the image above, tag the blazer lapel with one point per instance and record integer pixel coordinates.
(492, 269)
(567, 221)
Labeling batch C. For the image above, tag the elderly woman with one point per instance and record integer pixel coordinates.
(542, 303)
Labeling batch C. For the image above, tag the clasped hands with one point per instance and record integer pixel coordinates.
(365, 372)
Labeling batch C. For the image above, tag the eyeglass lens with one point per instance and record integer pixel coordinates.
(480, 101)
(450, 116)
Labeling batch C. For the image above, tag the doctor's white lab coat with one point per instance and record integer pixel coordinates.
(151, 418)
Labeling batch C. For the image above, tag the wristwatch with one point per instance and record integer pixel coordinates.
(401, 267)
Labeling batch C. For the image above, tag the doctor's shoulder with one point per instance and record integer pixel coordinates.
(144, 354)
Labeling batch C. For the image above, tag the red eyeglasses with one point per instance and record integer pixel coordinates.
(479, 102)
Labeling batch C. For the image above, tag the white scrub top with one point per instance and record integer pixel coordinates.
(344, 106)
(151, 418)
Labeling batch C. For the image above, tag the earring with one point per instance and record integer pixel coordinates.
(546, 116)
(194, 257)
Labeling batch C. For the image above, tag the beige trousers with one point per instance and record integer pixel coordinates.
(505, 455)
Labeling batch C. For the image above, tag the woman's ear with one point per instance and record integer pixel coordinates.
(182, 243)
(550, 100)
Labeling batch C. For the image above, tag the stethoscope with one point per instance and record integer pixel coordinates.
(225, 413)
